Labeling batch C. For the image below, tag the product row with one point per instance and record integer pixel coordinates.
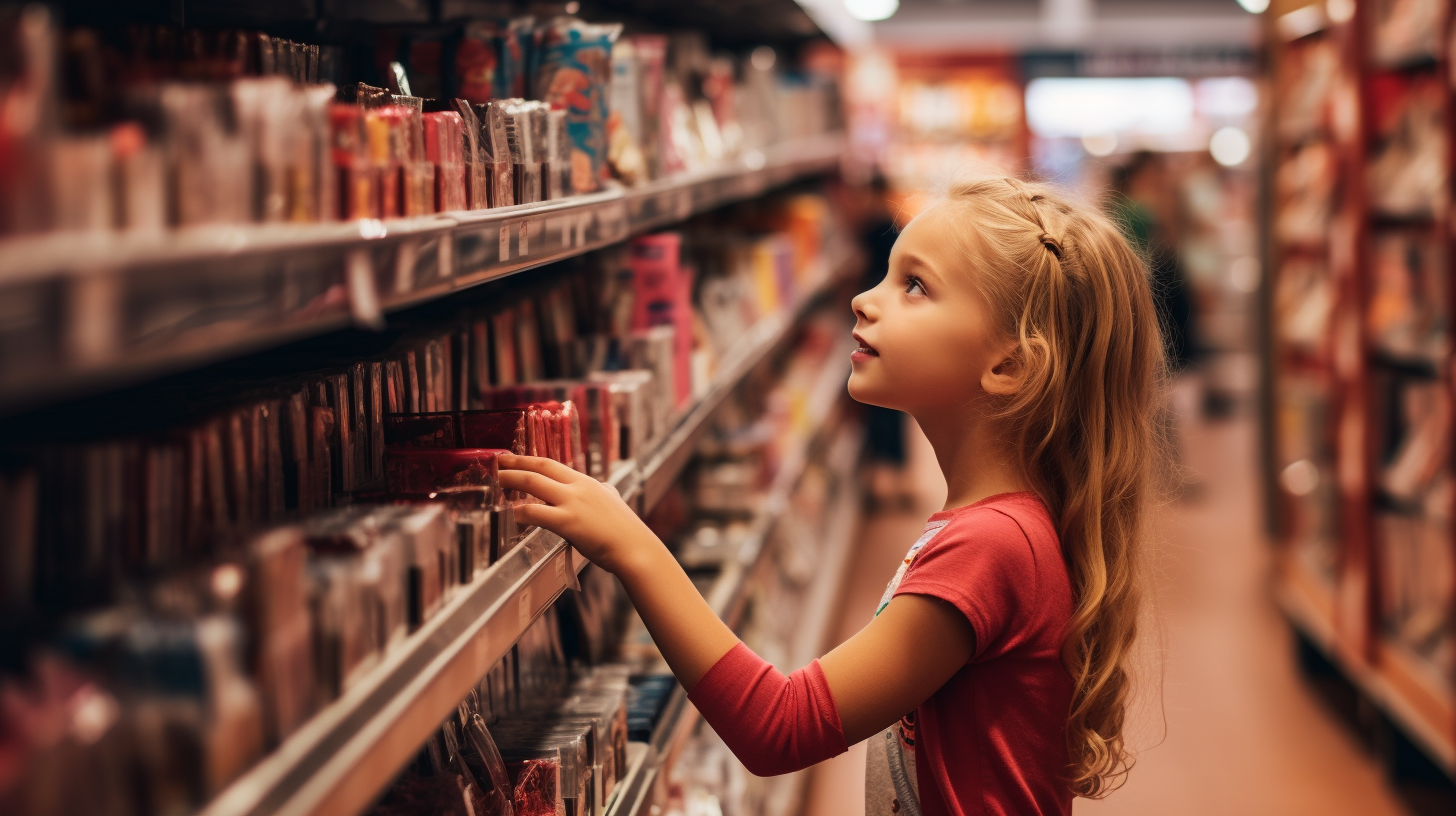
(143, 128)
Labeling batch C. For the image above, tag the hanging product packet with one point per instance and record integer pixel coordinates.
(574, 74)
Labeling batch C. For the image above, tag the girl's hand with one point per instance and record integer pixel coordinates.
(588, 513)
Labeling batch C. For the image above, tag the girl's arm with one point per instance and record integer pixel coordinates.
(887, 669)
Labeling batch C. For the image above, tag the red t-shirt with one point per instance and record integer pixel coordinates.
(993, 739)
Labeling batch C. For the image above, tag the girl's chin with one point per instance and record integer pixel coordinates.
(863, 392)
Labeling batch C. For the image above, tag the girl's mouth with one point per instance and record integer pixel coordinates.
(865, 350)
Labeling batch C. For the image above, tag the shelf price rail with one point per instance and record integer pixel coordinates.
(339, 762)
(100, 310)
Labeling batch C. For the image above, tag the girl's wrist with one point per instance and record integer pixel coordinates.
(642, 557)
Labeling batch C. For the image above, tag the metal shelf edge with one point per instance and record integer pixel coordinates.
(401, 263)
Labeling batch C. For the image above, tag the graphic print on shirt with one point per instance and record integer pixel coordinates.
(890, 786)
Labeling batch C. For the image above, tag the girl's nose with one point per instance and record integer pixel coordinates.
(862, 304)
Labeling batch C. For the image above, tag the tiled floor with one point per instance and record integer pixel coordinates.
(1234, 730)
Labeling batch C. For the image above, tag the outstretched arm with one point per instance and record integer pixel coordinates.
(773, 723)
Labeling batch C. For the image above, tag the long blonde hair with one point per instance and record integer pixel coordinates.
(1068, 287)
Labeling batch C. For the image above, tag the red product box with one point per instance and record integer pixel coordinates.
(444, 141)
(428, 431)
(429, 472)
(356, 194)
(663, 290)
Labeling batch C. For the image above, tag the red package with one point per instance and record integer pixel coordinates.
(428, 431)
(507, 430)
(347, 153)
(571, 432)
(427, 472)
(444, 148)
(535, 793)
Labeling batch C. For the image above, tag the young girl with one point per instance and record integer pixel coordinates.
(1019, 331)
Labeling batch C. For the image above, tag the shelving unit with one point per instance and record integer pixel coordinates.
(340, 761)
(1362, 296)
(118, 309)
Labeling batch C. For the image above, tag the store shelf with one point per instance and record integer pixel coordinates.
(346, 754)
(340, 761)
(1392, 681)
(729, 591)
(661, 468)
(86, 312)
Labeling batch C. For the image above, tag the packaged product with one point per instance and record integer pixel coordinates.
(573, 74)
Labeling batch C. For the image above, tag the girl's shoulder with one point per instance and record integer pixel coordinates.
(1003, 513)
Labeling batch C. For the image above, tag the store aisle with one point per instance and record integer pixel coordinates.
(1244, 734)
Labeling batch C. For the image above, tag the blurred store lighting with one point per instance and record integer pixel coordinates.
(1229, 146)
(1340, 11)
(763, 58)
(1225, 97)
(1079, 107)
(1102, 144)
(1300, 478)
(1245, 274)
(1066, 21)
(1254, 6)
(872, 10)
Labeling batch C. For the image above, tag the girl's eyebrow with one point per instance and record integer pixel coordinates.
(921, 268)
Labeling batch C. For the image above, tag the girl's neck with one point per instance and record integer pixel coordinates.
(976, 462)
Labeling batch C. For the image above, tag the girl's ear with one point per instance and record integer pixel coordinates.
(1004, 378)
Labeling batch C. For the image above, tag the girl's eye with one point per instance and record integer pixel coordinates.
(912, 284)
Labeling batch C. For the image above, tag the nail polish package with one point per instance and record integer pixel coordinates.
(80, 173)
(637, 417)
(495, 152)
(282, 630)
(431, 547)
(208, 158)
(444, 150)
(477, 159)
(523, 149)
(655, 349)
(557, 170)
(350, 155)
(427, 472)
(140, 179)
(422, 431)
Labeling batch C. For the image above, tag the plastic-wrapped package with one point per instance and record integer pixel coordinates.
(573, 74)
(209, 160)
(281, 629)
(477, 158)
(427, 472)
(444, 150)
(639, 419)
(358, 196)
(495, 145)
(524, 149)
(626, 120)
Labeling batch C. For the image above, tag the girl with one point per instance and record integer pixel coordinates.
(1019, 331)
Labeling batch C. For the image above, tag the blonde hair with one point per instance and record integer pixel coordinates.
(1069, 288)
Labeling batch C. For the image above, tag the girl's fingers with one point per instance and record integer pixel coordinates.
(538, 464)
(542, 487)
(541, 515)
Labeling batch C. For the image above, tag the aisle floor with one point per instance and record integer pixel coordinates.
(1237, 731)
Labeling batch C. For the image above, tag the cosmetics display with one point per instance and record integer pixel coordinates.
(221, 558)
(1360, 348)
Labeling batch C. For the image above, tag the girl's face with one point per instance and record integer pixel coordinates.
(926, 340)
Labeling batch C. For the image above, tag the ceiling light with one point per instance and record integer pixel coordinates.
(872, 10)
(1229, 146)
(1254, 6)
